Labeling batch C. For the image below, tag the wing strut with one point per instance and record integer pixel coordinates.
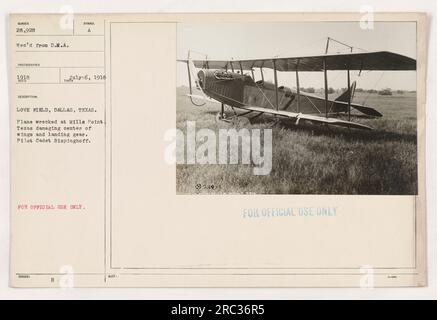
(189, 77)
(327, 45)
(297, 86)
(348, 80)
(350, 95)
(325, 72)
(276, 85)
(261, 70)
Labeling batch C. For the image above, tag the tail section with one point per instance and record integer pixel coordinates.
(367, 110)
(341, 103)
(344, 97)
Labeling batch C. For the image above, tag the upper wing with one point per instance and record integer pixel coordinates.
(380, 60)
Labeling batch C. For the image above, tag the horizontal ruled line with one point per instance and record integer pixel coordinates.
(224, 274)
(59, 35)
(59, 51)
(59, 82)
(44, 67)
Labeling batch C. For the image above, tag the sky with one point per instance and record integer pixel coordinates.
(251, 40)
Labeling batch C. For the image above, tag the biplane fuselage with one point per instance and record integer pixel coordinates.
(237, 90)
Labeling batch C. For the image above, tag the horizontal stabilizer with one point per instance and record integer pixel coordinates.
(367, 110)
(340, 106)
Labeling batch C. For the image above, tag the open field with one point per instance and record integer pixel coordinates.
(310, 159)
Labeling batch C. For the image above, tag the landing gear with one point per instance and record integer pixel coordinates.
(274, 122)
(221, 115)
(235, 119)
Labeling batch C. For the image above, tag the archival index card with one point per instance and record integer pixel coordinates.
(217, 150)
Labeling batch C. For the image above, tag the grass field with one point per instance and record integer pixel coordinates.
(310, 159)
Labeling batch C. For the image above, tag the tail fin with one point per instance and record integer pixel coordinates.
(344, 97)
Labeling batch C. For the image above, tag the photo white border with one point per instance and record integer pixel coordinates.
(218, 6)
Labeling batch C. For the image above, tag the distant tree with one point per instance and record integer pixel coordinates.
(309, 90)
(331, 90)
(359, 89)
(372, 91)
(385, 92)
(400, 91)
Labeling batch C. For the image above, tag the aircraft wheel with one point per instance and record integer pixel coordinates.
(219, 117)
(241, 122)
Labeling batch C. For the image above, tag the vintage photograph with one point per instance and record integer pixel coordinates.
(296, 108)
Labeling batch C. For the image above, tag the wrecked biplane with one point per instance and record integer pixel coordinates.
(232, 83)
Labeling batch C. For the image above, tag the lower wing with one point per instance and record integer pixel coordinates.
(298, 116)
(312, 118)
